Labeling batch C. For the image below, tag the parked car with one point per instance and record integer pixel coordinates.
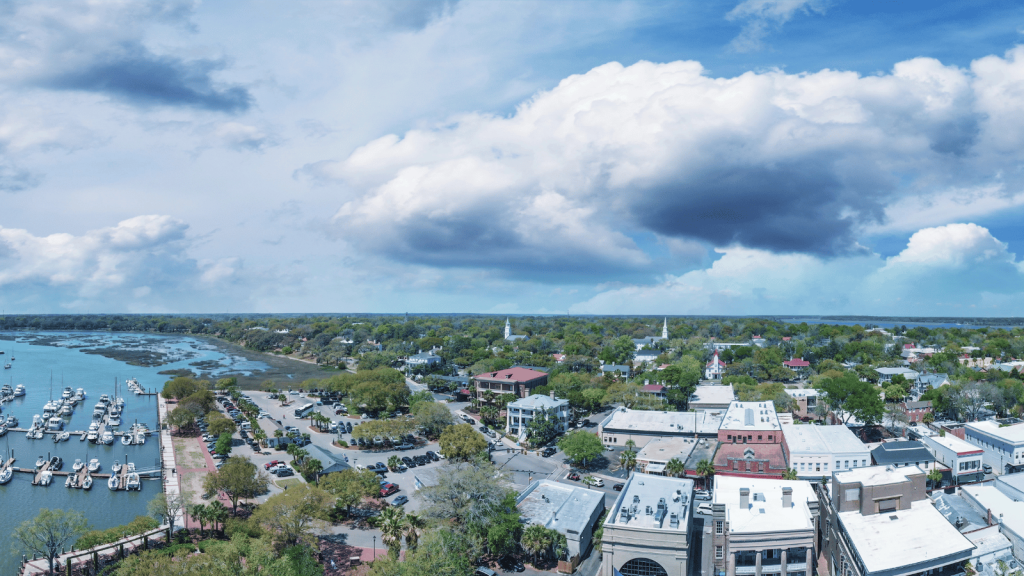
(282, 472)
(548, 452)
(484, 571)
(271, 464)
(573, 476)
(432, 455)
(986, 468)
(596, 482)
(404, 447)
(400, 500)
(388, 489)
(701, 495)
(510, 564)
(618, 487)
(704, 508)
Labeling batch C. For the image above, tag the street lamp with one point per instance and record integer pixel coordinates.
(375, 547)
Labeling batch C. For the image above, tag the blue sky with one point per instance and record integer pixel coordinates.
(742, 157)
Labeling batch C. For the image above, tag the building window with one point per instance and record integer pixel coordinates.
(847, 462)
(817, 467)
(863, 462)
(642, 567)
(759, 437)
(769, 437)
(837, 464)
(719, 526)
(719, 553)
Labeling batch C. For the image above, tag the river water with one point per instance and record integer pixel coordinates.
(71, 358)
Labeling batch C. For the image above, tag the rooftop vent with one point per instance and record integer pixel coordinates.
(748, 417)
(673, 520)
(894, 517)
(624, 514)
(636, 499)
(761, 510)
(650, 510)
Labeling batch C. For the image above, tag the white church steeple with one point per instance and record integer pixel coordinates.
(508, 329)
(664, 329)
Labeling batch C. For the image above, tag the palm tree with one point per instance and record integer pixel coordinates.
(313, 467)
(291, 450)
(935, 477)
(789, 474)
(630, 445)
(392, 527)
(198, 513)
(627, 460)
(414, 524)
(217, 513)
(705, 469)
(300, 454)
(278, 433)
(394, 462)
(675, 467)
(534, 540)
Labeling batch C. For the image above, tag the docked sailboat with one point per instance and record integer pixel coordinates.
(6, 475)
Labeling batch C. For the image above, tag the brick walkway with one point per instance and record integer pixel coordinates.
(342, 553)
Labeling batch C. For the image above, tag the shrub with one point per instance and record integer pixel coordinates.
(97, 537)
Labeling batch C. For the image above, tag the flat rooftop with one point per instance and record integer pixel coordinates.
(538, 401)
(988, 497)
(559, 506)
(877, 475)
(712, 394)
(955, 444)
(641, 496)
(665, 449)
(656, 422)
(809, 439)
(892, 540)
(1014, 481)
(751, 416)
(764, 512)
(802, 392)
(1012, 434)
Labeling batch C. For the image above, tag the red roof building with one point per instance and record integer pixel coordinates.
(516, 380)
(796, 363)
(656, 390)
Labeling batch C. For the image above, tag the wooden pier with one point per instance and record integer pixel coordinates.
(6, 465)
(39, 473)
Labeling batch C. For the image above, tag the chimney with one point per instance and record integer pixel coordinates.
(552, 393)
(787, 497)
(744, 498)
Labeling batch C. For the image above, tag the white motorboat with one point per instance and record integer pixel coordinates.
(126, 439)
(64, 436)
(41, 462)
(45, 478)
(94, 465)
(116, 467)
(19, 390)
(66, 394)
(6, 390)
(66, 410)
(87, 483)
(77, 465)
(55, 423)
(107, 438)
(70, 482)
(80, 392)
(132, 482)
(6, 475)
(12, 421)
(140, 439)
(119, 402)
(113, 483)
(3, 429)
(92, 435)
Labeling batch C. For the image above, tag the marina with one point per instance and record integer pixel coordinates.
(29, 393)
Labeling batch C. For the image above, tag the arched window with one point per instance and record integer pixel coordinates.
(642, 567)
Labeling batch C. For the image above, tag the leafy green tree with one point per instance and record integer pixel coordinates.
(935, 477)
(461, 442)
(198, 513)
(542, 428)
(705, 469)
(536, 539)
(238, 478)
(432, 417)
(48, 534)
(466, 493)
(441, 552)
(217, 514)
(504, 528)
(217, 424)
(580, 446)
(628, 460)
(391, 524)
(166, 507)
(789, 474)
(349, 487)
(293, 516)
(394, 463)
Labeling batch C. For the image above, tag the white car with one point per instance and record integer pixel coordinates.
(597, 482)
(704, 508)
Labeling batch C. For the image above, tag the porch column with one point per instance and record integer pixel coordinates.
(810, 560)
(730, 564)
(783, 565)
(757, 563)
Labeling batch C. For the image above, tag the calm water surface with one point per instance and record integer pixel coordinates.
(37, 356)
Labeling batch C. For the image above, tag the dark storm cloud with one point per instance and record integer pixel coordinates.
(131, 73)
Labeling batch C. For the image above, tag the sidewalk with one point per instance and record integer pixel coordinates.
(171, 483)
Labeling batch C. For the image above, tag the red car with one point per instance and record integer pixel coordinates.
(271, 464)
(573, 476)
(388, 489)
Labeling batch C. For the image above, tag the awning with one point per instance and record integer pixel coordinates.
(655, 468)
(465, 391)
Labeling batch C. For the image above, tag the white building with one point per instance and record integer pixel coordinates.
(1003, 445)
(509, 336)
(886, 374)
(424, 359)
(651, 341)
(647, 531)
(642, 426)
(810, 448)
(1006, 512)
(714, 369)
(763, 526)
(521, 412)
(572, 511)
(962, 458)
(655, 456)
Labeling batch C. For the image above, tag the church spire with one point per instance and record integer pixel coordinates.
(508, 329)
(664, 329)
